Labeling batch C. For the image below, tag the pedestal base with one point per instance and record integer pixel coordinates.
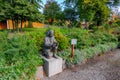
(52, 66)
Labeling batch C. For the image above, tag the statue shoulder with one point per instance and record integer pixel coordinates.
(46, 38)
(53, 37)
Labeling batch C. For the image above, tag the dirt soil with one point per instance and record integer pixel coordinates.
(104, 67)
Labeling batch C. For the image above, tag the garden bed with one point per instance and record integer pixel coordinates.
(19, 54)
(81, 56)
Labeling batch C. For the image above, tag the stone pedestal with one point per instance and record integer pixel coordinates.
(52, 66)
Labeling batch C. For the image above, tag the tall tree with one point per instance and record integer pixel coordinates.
(51, 10)
(113, 3)
(91, 10)
(21, 10)
(4, 9)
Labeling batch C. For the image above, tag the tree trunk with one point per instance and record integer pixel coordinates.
(16, 25)
(51, 23)
(21, 26)
(13, 24)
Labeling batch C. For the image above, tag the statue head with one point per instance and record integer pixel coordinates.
(50, 33)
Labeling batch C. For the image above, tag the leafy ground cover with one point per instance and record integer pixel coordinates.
(19, 57)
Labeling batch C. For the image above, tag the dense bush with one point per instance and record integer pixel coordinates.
(89, 43)
(118, 22)
(19, 57)
(101, 37)
(62, 40)
(32, 29)
(39, 36)
(82, 36)
(3, 40)
(86, 39)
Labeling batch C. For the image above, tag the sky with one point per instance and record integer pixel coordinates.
(44, 1)
(59, 1)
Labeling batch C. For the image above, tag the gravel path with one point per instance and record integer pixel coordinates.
(104, 67)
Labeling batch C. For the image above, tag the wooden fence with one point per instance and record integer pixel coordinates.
(8, 24)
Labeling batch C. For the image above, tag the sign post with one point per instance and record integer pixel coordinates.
(73, 42)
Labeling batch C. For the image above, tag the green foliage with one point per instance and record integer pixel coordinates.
(62, 40)
(65, 31)
(20, 11)
(51, 10)
(89, 44)
(115, 25)
(98, 49)
(82, 55)
(101, 37)
(19, 57)
(65, 54)
(91, 10)
(117, 31)
(3, 40)
(113, 3)
(118, 22)
(82, 36)
(70, 13)
(31, 29)
(39, 36)
(86, 39)
(19, 54)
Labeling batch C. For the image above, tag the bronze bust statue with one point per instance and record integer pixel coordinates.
(50, 45)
